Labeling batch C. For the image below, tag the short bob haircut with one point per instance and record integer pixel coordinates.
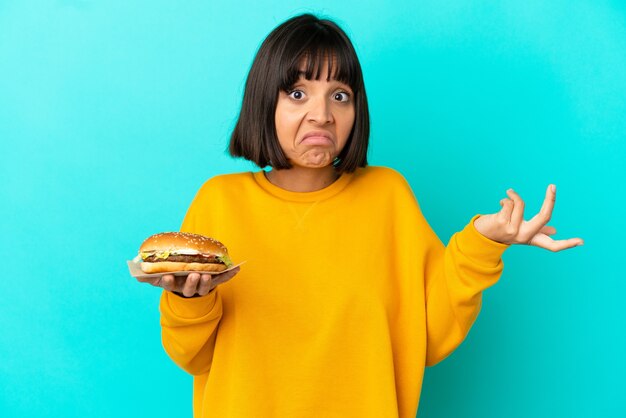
(277, 67)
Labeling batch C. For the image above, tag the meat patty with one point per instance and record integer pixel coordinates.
(185, 259)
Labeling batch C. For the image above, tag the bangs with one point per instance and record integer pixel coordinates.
(309, 55)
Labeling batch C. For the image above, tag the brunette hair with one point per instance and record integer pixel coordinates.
(277, 67)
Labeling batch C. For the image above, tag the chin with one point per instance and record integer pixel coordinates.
(317, 165)
(316, 160)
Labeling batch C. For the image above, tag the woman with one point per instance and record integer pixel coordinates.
(347, 294)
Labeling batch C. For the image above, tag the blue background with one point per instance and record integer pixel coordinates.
(113, 113)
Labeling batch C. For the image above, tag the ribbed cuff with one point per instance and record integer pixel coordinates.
(190, 307)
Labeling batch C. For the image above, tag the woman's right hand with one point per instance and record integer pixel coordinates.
(192, 285)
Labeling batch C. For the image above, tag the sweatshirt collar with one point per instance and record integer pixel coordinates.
(322, 194)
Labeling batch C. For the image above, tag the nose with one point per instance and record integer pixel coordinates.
(320, 111)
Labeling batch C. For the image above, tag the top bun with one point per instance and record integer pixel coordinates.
(176, 241)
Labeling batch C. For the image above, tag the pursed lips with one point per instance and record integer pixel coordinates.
(317, 138)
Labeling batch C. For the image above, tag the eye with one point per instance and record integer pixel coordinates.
(296, 94)
(341, 96)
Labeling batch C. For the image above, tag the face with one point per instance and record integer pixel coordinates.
(314, 121)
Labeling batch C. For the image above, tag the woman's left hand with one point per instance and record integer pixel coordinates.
(509, 227)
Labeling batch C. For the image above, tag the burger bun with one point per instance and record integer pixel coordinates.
(173, 266)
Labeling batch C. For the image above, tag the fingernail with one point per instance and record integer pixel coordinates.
(553, 188)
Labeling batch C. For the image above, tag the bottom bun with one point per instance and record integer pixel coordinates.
(169, 266)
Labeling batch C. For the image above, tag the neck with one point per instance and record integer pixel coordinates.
(302, 179)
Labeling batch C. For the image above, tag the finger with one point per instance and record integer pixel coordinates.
(205, 284)
(543, 241)
(517, 216)
(167, 282)
(191, 284)
(545, 213)
(504, 215)
(548, 230)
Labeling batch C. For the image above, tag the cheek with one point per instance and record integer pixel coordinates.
(286, 123)
(347, 124)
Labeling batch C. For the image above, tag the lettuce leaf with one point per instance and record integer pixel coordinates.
(226, 260)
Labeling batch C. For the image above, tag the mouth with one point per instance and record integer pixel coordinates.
(317, 138)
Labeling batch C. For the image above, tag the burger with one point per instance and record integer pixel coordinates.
(182, 251)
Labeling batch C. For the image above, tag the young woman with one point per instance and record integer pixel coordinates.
(347, 294)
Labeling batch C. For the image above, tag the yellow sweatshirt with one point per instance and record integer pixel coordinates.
(346, 295)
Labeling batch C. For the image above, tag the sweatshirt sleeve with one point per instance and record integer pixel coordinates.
(189, 325)
(455, 277)
(188, 329)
